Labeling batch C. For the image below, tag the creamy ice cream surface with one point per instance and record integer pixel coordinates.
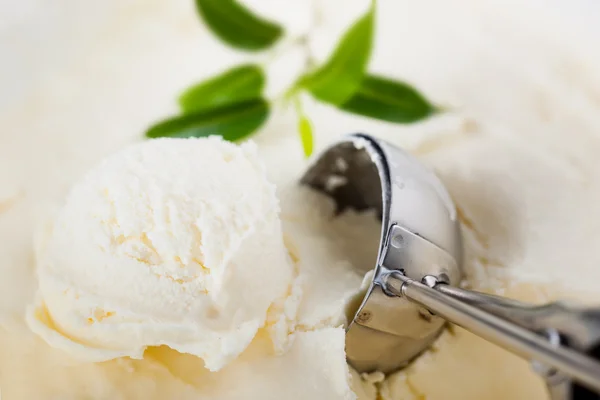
(517, 149)
(172, 251)
(168, 242)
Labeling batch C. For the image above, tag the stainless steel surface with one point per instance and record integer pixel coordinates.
(504, 333)
(420, 236)
(574, 326)
(558, 384)
(420, 245)
(580, 326)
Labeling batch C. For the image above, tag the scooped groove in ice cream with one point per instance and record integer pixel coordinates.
(171, 242)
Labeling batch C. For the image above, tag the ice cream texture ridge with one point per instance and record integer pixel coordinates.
(170, 242)
(177, 245)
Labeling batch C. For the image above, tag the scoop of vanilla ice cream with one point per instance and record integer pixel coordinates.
(171, 242)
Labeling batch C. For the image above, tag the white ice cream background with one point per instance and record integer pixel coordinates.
(517, 150)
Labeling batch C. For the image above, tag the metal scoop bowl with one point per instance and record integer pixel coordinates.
(414, 288)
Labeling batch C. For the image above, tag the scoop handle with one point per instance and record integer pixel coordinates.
(503, 332)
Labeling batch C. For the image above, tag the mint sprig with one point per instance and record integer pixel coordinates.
(232, 122)
(388, 100)
(339, 78)
(236, 85)
(237, 26)
(232, 104)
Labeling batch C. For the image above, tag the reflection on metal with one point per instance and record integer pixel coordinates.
(414, 290)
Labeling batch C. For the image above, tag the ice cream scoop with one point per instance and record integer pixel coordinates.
(414, 287)
(172, 242)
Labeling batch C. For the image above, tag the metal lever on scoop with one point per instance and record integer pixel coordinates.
(502, 332)
(420, 265)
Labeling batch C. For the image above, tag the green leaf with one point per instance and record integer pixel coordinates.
(306, 135)
(232, 122)
(337, 80)
(389, 100)
(237, 26)
(236, 85)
